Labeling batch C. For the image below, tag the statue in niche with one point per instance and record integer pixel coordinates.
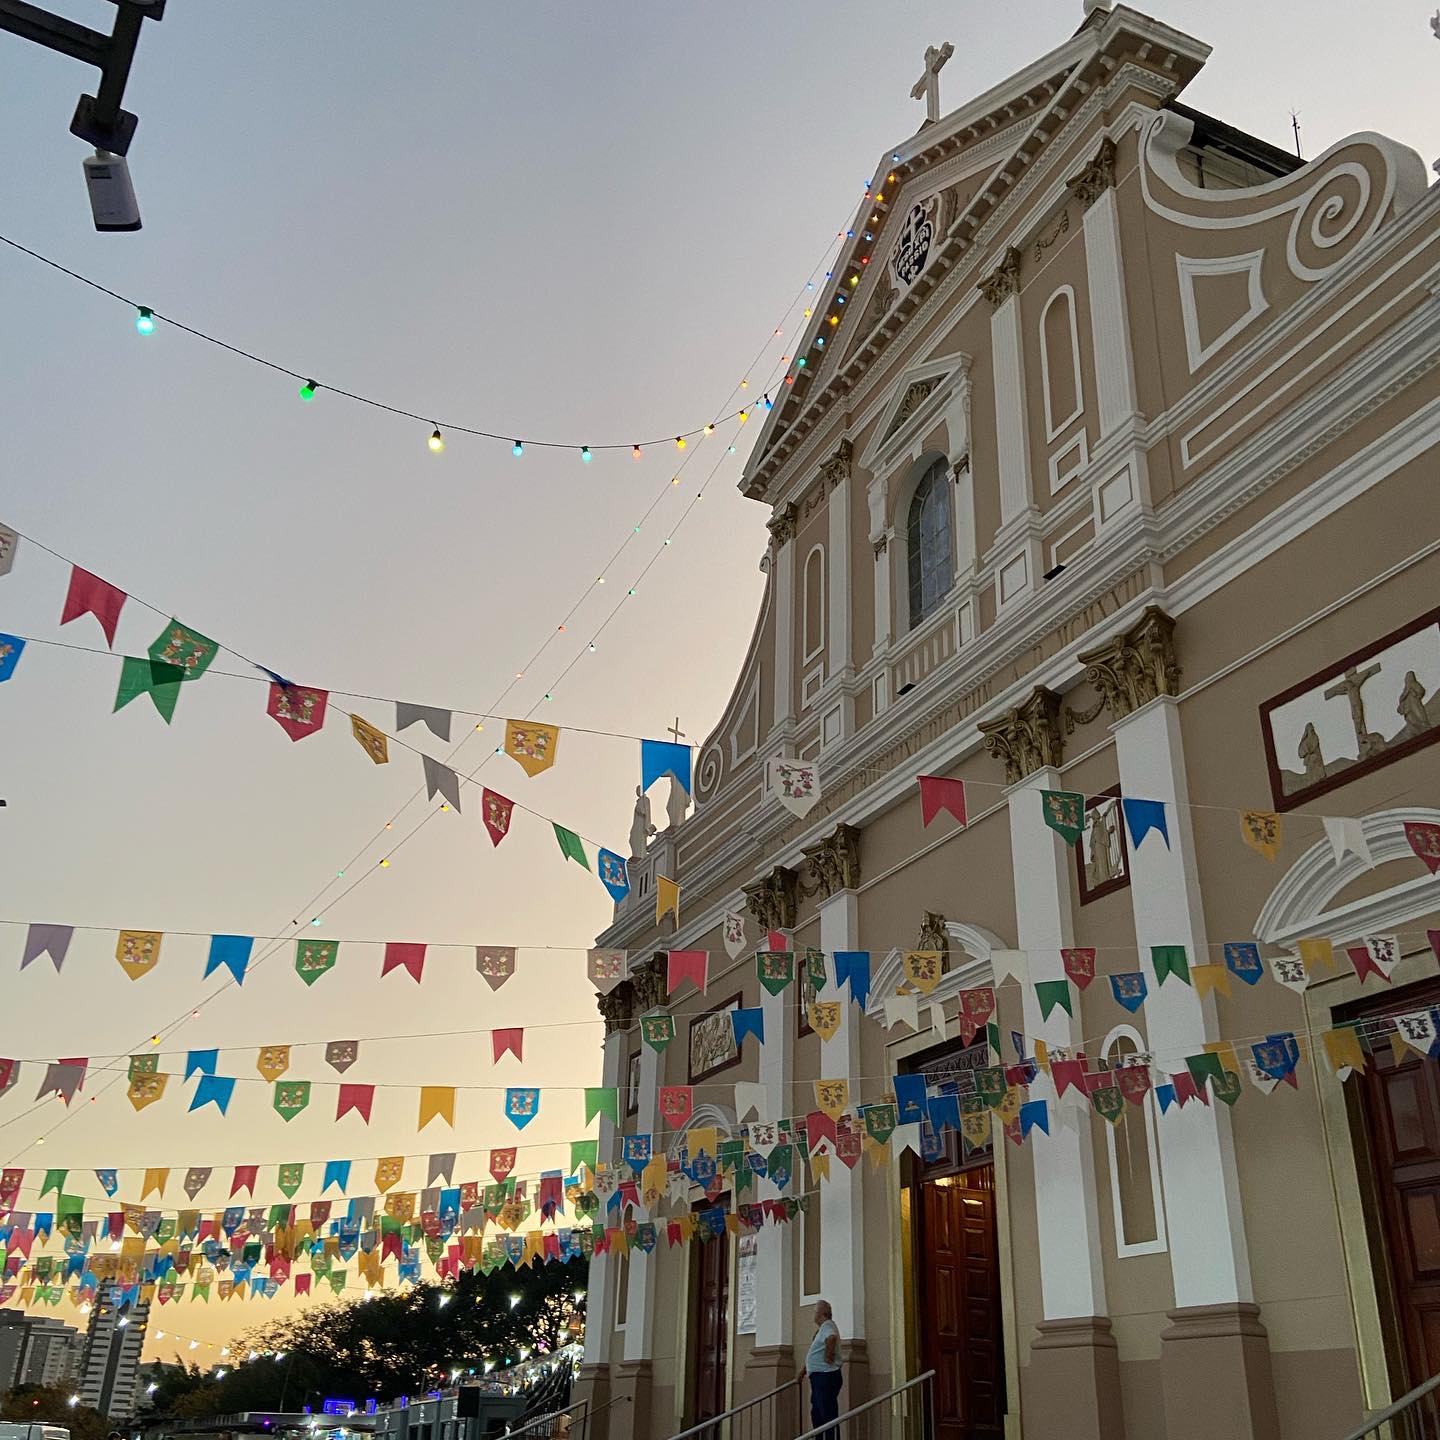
(640, 827)
(1310, 754)
(1412, 707)
(678, 804)
(1103, 862)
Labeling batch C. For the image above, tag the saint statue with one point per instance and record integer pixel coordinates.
(640, 827)
(1412, 706)
(678, 805)
(1310, 755)
(1103, 864)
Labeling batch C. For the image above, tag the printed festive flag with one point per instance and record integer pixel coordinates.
(146, 1089)
(495, 963)
(109, 1181)
(65, 1078)
(197, 1177)
(775, 969)
(1424, 838)
(1242, 959)
(1290, 971)
(314, 958)
(1344, 1051)
(832, 1096)
(436, 720)
(1417, 1029)
(602, 1100)
(402, 955)
(1169, 960)
(388, 1172)
(1375, 955)
(375, 743)
(1277, 1056)
(657, 1031)
(522, 1104)
(141, 676)
(1261, 831)
(922, 968)
(440, 780)
(273, 1061)
(1134, 1082)
(10, 1182)
(213, 1090)
(1109, 1103)
(11, 649)
(340, 1055)
(9, 543)
(90, 595)
(297, 709)
(436, 1101)
(244, 1179)
(570, 845)
(1051, 993)
(1315, 952)
(683, 965)
(1129, 990)
(52, 940)
(814, 962)
(977, 1005)
(852, 968)
(232, 952)
(732, 930)
(824, 1017)
(138, 951)
(614, 874)
(288, 1181)
(359, 1098)
(291, 1097)
(938, 793)
(676, 1103)
(502, 1162)
(1143, 816)
(606, 968)
(796, 783)
(667, 899)
(1210, 977)
(531, 745)
(748, 1021)
(1347, 836)
(1064, 812)
(511, 1041)
(1079, 966)
(181, 646)
(1226, 1086)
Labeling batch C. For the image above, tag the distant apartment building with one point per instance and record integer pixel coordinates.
(108, 1380)
(35, 1350)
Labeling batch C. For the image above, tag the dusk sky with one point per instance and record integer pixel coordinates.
(555, 221)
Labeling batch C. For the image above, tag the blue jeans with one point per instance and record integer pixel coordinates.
(824, 1396)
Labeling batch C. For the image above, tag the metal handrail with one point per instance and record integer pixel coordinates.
(828, 1426)
(538, 1420)
(735, 1410)
(1384, 1417)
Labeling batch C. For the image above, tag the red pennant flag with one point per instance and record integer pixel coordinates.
(1433, 936)
(502, 1162)
(469, 1194)
(674, 1234)
(818, 1126)
(1134, 1082)
(976, 1008)
(319, 1213)
(1364, 963)
(1066, 1073)
(244, 1179)
(495, 811)
(937, 794)
(302, 1284)
(298, 711)
(390, 1246)
(1424, 838)
(355, 1097)
(511, 1040)
(402, 956)
(676, 1103)
(691, 965)
(1187, 1089)
(777, 940)
(90, 595)
(1079, 966)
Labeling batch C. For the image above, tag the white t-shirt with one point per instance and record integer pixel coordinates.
(815, 1356)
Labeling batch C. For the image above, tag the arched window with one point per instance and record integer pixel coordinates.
(931, 551)
(814, 624)
(1135, 1193)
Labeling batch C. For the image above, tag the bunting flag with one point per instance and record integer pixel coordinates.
(181, 646)
(65, 1078)
(197, 1177)
(1375, 955)
(1344, 1051)
(359, 1098)
(1129, 990)
(977, 1005)
(1051, 993)
(748, 1022)
(110, 1181)
(1418, 1030)
(832, 1096)
(824, 1018)
(1242, 959)
(659, 758)
(90, 595)
(9, 543)
(51, 940)
(440, 780)
(1143, 816)
(495, 963)
(937, 794)
(606, 968)
(1315, 952)
(1290, 971)
(584, 1155)
(667, 899)
(273, 1061)
(11, 649)
(852, 968)
(375, 743)
(201, 1062)
(403, 956)
(146, 1088)
(437, 721)
(1010, 965)
(314, 958)
(676, 1103)
(1064, 812)
(614, 874)
(340, 1055)
(388, 1171)
(922, 968)
(232, 952)
(511, 1041)
(244, 1179)
(570, 845)
(531, 745)
(297, 709)
(902, 1009)
(1210, 977)
(138, 951)
(436, 1101)
(337, 1173)
(657, 1031)
(602, 1100)
(732, 930)
(1347, 837)
(495, 811)
(1079, 966)
(1424, 839)
(1261, 831)
(502, 1162)
(775, 969)
(291, 1097)
(1169, 960)
(683, 965)
(522, 1104)
(142, 676)
(796, 783)
(1134, 1082)
(55, 1180)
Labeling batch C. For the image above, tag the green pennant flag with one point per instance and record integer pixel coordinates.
(290, 1178)
(291, 1097)
(165, 1230)
(570, 846)
(879, 1122)
(1169, 960)
(337, 1281)
(201, 1291)
(144, 1065)
(775, 969)
(1051, 993)
(180, 648)
(161, 682)
(313, 958)
(1064, 812)
(657, 1031)
(992, 1037)
(602, 1100)
(815, 968)
(1109, 1103)
(990, 1085)
(1227, 1086)
(1203, 1067)
(54, 1180)
(583, 1152)
(744, 1178)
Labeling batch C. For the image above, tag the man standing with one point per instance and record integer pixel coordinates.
(822, 1366)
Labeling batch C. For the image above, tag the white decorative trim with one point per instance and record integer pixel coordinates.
(1159, 1244)
(975, 969)
(1013, 580)
(811, 684)
(809, 654)
(1054, 426)
(1069, 461)
(1070, 534)
(1187, 267)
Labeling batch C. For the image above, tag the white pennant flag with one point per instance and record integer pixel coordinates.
(1347, 835)
(1258, 1078)
(1290, 971)
(902, 1007)
(1417, 1030)
(1010, 965)
(733, 931)
(796, 782)
(937, 1016)
(750, 1096)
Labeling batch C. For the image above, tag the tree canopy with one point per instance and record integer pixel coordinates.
(50, 1405)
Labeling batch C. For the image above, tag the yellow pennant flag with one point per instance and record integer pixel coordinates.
(134, 1214)
(372, 741)
(879, 1154)
(975, 1127)
(401, 1205)
(703, 1137)
(387, 1173)
(436, 1100)
(531, 745)
(824, 1018)
(1042, 1055)
(146, 1087)
(1261, 831)
(820, 1164)
(534, 1247)
(138, 951)
(732, 1224)
(1225, 1049)
(653, 1182)
(154, 1180)
(1210, 977)
(273, 1061)
(1342, 1049)
(667, 899)
(832, 1096)
(922, 969)
(1009, 1107)
(1315, 952)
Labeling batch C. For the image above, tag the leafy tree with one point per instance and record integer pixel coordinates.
(50, 1405)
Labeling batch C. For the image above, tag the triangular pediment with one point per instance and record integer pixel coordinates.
(924, 393)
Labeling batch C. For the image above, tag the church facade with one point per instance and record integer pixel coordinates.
(1110, 473)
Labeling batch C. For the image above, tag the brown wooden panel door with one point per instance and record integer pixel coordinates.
(711, 1299)
(960, 1325)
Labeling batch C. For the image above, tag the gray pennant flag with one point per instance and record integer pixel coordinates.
(437, 720)
(442, 778)
(430, 1200)
(362, 1209)
(196, 1178)
(53, 940)
(9, 541)
(441, 1168)
(341, 1054)
(62, 1080)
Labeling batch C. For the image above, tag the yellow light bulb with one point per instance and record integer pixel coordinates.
(436, 441)
(679, 442)
(385, 864)
(807, 312)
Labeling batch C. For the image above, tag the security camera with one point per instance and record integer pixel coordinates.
(112, 196)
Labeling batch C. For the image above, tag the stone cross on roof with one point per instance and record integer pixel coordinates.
(927, 87)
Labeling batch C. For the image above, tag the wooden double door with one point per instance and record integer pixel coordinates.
(709, 1324)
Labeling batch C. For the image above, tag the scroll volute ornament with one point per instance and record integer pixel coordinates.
(1027, 737)
(651, 984)
(1097, 177)
(774, 899)
(835, 862)
(782, 524)
(617, 1008)
(1137, 667)
(1004, 280)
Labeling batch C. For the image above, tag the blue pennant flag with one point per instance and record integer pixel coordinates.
(748, 1022)
(337, 1172)
(1129, 989)
(202, 1062)
(109, 1183)
(213, 1090)
(909, 1099)
(852, 967)
(1143, 816)
(662, 757)
(944, 1112)
(635, 1150)
(522, 1104)
(1034, 1114)
(231, 951)
(1018, 1041)
(10, 648)
(1242, 959)
(1277, 1055)
(1165, 1094)
(614, 874)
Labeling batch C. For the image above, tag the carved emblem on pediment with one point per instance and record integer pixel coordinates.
(1097, 177)
(837, 467)
(835, 862)
(774, 899)
(1004, 281)
(915, 396)
(782, 524)
(1132, 669)
(1027, 737)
